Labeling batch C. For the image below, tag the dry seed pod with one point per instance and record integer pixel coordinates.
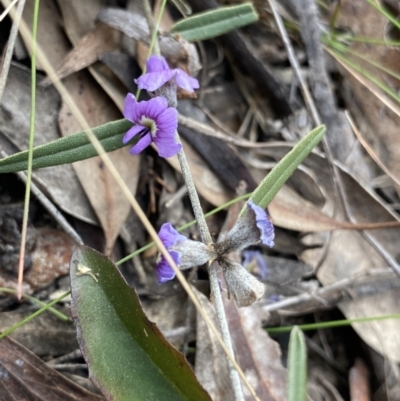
(244, 288)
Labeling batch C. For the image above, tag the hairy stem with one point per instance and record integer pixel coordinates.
(215, 290)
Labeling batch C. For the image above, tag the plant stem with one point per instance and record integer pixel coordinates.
(215, 290)
(30, 154)
(154, 48)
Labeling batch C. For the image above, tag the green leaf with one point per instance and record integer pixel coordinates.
(69, 149)
(216, 22)
(274, 181)
(127, 356)
(297, 366)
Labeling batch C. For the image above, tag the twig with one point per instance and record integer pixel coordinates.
(325, 291)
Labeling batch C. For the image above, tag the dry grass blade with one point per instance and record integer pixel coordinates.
(370, 151)
(7, 10)
(366, 83)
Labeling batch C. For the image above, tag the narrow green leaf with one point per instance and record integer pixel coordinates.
(274, 181)
(216, 22)
(69, 149)
(297, 366)
(127, 356)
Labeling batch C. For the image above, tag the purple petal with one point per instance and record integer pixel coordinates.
(169, 236)
(131, 133)
(154, 80)
(185, 81)
(263, 223)
(167, 123)
(167, 148)
(130, 106)
(141, 145)
(156, 64)
(164, 270)
(153, 107)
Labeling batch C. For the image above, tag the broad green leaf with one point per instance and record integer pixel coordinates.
(69, 149)
(216, 22)
(127, 356)
(297, 366)
(274, 181)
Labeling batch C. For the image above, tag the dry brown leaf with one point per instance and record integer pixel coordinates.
(79, 17)
(77, 21)
(49, 35)
(211, 365)
(100, 40)
(26, 377)
(60, 182)
(256, 353)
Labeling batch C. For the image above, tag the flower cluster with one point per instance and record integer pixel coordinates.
(250, 229)
(154, 120)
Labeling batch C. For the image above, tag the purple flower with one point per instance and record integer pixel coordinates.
(251, 228)
(255, 258)
(169, 237)
(158, 73)
(263, 223)
(154, 122)
(184, 252)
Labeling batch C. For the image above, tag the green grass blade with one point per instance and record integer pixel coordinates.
(380, 84)
(32, 316)
(216, 22)
(297, 366)
(69, 149)
(274, 181)
(331, 324)
(30, 151)
(385, 13)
